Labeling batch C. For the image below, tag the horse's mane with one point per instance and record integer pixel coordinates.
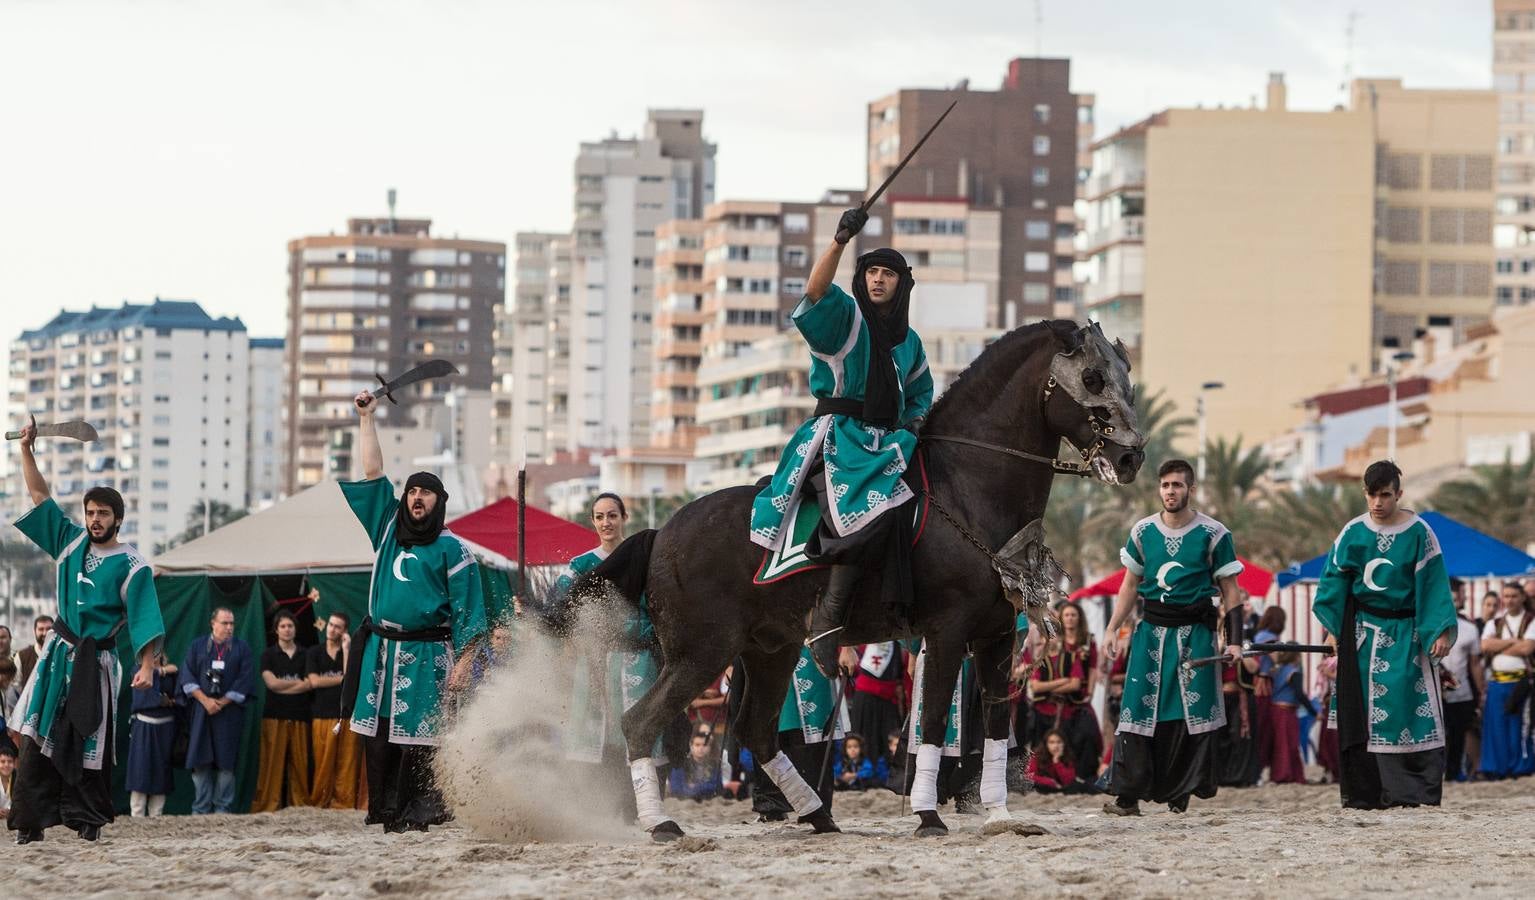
(990, 371)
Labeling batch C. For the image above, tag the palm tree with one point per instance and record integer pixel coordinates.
(216, 515)
(1498, 500)
(1161, 424)
(1230, 489)
(1294, 526)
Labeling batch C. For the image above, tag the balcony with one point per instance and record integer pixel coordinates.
(1114, 180)
(767, 436)
(1129, 228)
(668, 347)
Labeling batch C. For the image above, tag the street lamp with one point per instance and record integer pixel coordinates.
(1199, 414)
(1401, 356)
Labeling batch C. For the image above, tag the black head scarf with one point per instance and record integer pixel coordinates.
(887, 330)
(407, 530)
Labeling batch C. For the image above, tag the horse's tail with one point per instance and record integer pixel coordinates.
(627, 570)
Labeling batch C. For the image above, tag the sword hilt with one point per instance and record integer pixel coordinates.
(383, 390)
(13, 435)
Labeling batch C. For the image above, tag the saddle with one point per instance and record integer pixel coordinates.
(791, 558)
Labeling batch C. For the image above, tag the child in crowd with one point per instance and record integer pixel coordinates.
(1289, 696)
(7, 773)
(853, 770)
(698, 778)
(1052, 770)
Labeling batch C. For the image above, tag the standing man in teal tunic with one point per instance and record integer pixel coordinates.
(1177, 562)
(426, 604)
(67, 713)
(869, 375)
(1385, 593)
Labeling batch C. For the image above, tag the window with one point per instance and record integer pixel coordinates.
(1036, 262)
(1401, 278)
(1041, 112)
(796, 223)
(1459, 279)
(1404, 225)
(1036, 293)
(796, 257)
(794, 287)
(1036, 230)
(1041, 145)
(1403, 171)
(1460, 226)
(1041, 176)
(1457, 172)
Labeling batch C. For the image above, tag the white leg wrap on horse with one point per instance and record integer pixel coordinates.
(994, 779)
(924, 787)
(795, 789)
(647, 793)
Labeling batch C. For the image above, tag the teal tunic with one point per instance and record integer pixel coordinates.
(96, 590)
(1185, 566)
(807, 705)
(1397, 567)
(596, 718)
(956, 727)
(424, 586)
(863, 462)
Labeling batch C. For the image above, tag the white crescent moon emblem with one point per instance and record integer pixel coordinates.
(81, 579)
(1162, 575)
(1369, 573)
(400, 561)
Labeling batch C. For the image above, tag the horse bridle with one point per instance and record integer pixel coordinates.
(1100, 426)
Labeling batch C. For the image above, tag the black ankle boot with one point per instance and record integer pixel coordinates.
(830, 616)
(29, 836)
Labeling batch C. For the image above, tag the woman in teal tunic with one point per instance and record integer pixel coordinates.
(596, 721)
(869, 375)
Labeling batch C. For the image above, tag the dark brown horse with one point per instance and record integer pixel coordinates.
(1010, 410)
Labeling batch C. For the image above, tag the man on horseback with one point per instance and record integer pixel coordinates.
(869, 375)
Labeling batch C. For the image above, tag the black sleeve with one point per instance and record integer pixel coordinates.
(1300, 693)
(1234, 629)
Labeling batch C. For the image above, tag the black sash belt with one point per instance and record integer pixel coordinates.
(1383, 613)
(353, 676)
(838, 406)
(80, 716)
(1168, 615)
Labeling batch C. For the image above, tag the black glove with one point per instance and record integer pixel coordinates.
(851, 223)
(915, 425)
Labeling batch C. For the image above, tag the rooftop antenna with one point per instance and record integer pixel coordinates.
(1039, 29)
(1348, 53)
(393, 225)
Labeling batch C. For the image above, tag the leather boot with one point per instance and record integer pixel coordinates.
(830, 617)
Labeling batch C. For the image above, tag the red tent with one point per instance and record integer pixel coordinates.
(551, 540)
(1254, 580)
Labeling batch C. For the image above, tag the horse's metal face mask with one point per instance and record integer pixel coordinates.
(1096, 375)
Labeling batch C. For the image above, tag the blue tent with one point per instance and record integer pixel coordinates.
(1467, 554)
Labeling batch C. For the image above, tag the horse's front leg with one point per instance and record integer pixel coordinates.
(940, 672)
(993, 663)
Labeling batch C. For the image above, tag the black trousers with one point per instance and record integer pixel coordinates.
(767, 798)
(401, 786)
(1458, 719)
(1169, 765)
(1238, 755)
(40, 798)
(1382, 780)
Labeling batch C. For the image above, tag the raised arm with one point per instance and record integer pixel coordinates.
(37, 485)
(367, 436)
(825, 269)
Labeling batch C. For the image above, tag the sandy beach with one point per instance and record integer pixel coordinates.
(1268, 842)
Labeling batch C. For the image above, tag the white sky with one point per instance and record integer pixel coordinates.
(172, 147)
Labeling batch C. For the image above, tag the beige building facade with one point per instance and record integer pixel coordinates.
(1258, 249)
(1513, 78)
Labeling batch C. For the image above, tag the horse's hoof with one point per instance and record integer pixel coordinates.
(821, 822)
(930, 825)
(666, 832)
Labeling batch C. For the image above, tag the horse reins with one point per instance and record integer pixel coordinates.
(1101, 428)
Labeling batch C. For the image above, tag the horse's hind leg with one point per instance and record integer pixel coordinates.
(993, 664)
(680, 680)
(767, 684)
(940, 671)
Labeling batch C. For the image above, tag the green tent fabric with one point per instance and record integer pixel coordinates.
(343, 592)
(187, 604)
